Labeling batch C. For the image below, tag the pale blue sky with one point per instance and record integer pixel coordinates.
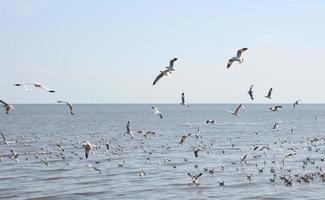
(110, 51)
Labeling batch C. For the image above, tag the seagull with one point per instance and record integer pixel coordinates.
(4, 139)
(195, 178)
(162, 74)
(8, 107)
(236, 113)
(183, 100)
(269, 94)
(157, 112)
(237, 58)
(14, 154)
(171, 68)
(276, 124)
(147, 133)
(196, 152)
(210, 121)
(183, 138)
(87, 147)
(35, 84)
(69, 104)
(250, 92)
(275, 108)
(128, 130)
(243, 158)
(296, 103)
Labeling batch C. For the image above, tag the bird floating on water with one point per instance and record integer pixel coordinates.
(87, 147)
(237, 58)
(195, 179)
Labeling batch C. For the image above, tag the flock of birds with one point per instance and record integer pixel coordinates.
(287, 179)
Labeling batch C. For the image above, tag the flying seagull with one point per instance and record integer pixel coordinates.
(236, 113)
(171, 68)
(87, 147)
(157, 112)
(37, 85)
(269, 94)
(275, 108)
(147, 133)
(162, 74)
(250, 92)
(8, 107)
(183, 100)
(296, 103)
(237, 58)
(68, 104)
(195, 178)
(276, 124)
(4, 139)
(128, 130)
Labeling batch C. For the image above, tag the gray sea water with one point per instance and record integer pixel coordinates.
(44, 171)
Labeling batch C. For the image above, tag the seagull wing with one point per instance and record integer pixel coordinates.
(183, 98)
(230, 61)
(240, 51)
(158, 78)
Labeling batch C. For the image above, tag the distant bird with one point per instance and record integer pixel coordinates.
(8, 107)
(250, 92)
(183, 103)
(236, 113)
(157, 112)
(275, 108)
(87, 147)
(296, 103)
(196, 152)
(171, 68)
(183, 138)
(147, 133)
(237, 58)
(243, 158)
(128, 130)
(14, 154)
(210, 121)
(37, 85)
(68, 104)
(269, 94)
(4, 139)
(276, 124)
(195, 178)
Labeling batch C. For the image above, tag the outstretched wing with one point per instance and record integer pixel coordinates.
(158, 78)
(183, 98)
(240, 51)
(230, 61)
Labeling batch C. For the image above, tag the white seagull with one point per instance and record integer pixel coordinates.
(68, 104)
(236, 113)
(157, 112)
(147, 133)
(269, 94)
(171, 68)
(275, 108)
(183, 103)
(35, 84)
(237, 58)
(8, 107)
(296, 103)
(250, 92)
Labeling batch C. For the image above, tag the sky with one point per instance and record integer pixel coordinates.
(111, 51)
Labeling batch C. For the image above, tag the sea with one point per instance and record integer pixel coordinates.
(51, 161)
